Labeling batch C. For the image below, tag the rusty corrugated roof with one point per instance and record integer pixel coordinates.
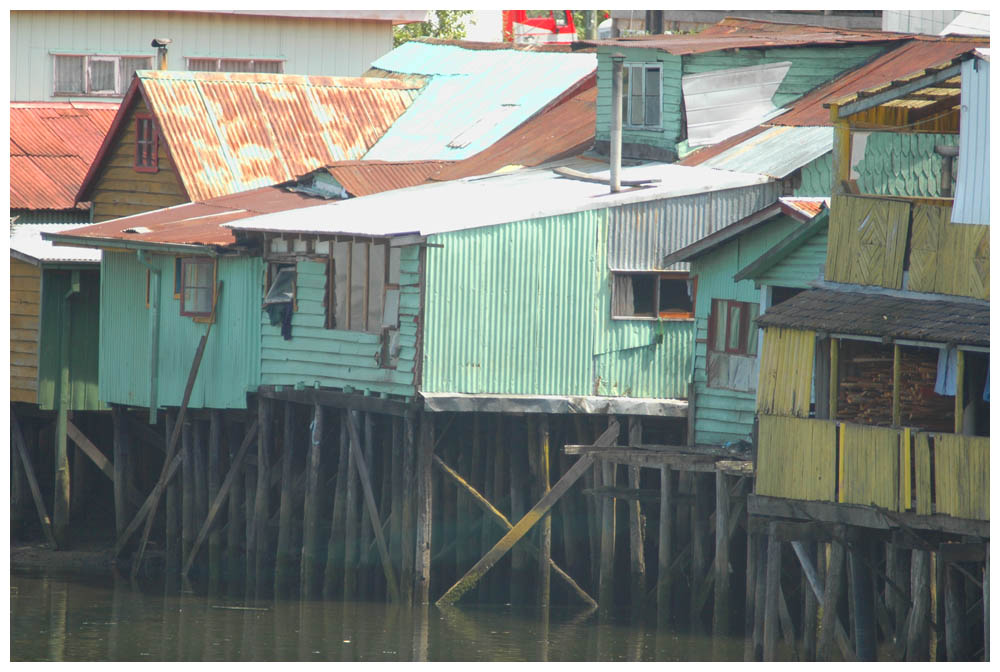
(51, 147)
(564, 130)
(231, 132)
(919, 53)
(362, 178)
(735, 33)
(809, 207)
(196, 223)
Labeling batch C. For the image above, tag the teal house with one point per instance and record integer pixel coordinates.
(741, 271)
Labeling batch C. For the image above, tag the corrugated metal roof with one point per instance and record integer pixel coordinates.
(363, 178)
(810, 207)
(51, 146)
(777, 151)
(231, 132)
(562, 131)
(735, 33)
(26, 241)
(474, 97)
(483, 201)
(197, 223)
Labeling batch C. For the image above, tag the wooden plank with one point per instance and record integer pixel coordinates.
(333, 579)
(29, 472)
(918, 628)
(90, 450)
(922, 457)
(834, 581)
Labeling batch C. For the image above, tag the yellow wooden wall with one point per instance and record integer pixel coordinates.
(25, 297)
(786, 368)
(948, 258)
(120, 190)
(797, 458)
(962, 475)
(867, 241)
(869, 469)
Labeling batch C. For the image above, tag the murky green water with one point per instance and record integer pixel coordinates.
(67, 618)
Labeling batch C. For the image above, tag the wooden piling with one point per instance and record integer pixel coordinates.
(862, 595)
(752, 607)
(636, 525)
(19, 488)
(284, 566)
(214, 481)
(956, 638)
(120, 453)
(395, 494)
(200, 450)
(263, 549)
(409, 506)
(333, 578)
(249, 508)
(720, 610)
(309, 569)
(918, 622)
(236, 528)
(519, 576)
(172, 562)
(498, 588)
(365, 574)
(664, 556)
(699, 542)
(831, 595)
(810, 611)
(422, 563)
(485, 466)
(29, 473)
(351, 518)
(543, 588)
(771, 598)
(605, 591)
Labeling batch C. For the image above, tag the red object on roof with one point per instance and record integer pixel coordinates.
(197, 223)
(362, 178)
(52, 145)
(734, 33)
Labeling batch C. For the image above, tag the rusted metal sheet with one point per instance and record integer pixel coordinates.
(51, 148)
(232, 132)
(362, 178)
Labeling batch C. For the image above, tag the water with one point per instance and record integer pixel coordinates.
(81, 618)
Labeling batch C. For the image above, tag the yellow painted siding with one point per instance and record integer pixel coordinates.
(871, 466)
(922, 455)
(796, 458)
(121, 190)
(867, 241)
(962, 475)
(786, 369)
(25, 294)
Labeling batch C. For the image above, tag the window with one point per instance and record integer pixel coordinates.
(145, 144)
(356, 297)
(652, 295)
(95, 75)
(641, 99)
(732, 345)
(236, 65)
(177, 277)
(197, 286)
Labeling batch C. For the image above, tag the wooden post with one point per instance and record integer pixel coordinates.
(545, 526)
(498, 588)
(366, 446)
(720, 611)
(814, 586)
(636, 527)
(834, 376)
(605, 590)
(285, 560)
(309, 576)
(29, 473)
(897, 368)
(236, 528)
(263, 552)
(351, 513)
(760, 587)
(938, 653)
(78, 476)
(407, 538)
(771, 598)
(200, 447)
(519, 577)
(918, 630)
(333, 579)
(249, 493)
(831, 593)
(691, 399)
(485, 467)
(187, 491)
(750, 600)
(699, 541)
(956, 639)
(422, 560)
(214, 481)
(862, 594)
(18, 486)
(810, 609)
(395, 494)
(960, 391)
(120, 456)
(172, 537)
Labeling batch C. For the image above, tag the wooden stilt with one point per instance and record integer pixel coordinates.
(699, 541)
(771, 598)
(463, 509)
(367, 525)
(636, 524)
(753, 541)
(61, 492)
(862, 594)
(236, 528)
(187, 490)
(901, 602)
(29, 473)
(333, 578)
(831, 593)
(250, 494)
(422, 561)
(18, 488)
(816, 589)
(409, 504)
(284, 567)
(120, 456)
(519, 578)
(498, 588)
(956, 638)
(938, 652)
(309, 569)
(172, 510)
(214, 482)
(396, 494)
(351, 515)
(785, 619)
(918, 622)
(760, 592)
(485, 462)
(605, 591)
(263, 551)
(543, 591)
(200, 448)
(810, 612)
(720, 610)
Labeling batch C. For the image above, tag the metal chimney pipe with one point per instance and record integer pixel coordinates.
(161, 44)
(617, 61)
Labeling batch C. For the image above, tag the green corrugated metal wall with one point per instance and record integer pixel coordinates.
(84, 330)
(726, 415)
(524, 308)
(230, 366)
(336, 357)
(902, 164)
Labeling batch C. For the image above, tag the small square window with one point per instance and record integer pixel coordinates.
(198, 286)
(145, 144)
(70, 74)
(652, 295)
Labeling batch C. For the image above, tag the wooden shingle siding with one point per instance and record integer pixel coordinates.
(786, 372)
(121, 190)
(796, 458)
(25, 292)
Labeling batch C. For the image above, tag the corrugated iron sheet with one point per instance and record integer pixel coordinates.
(810, 207)
(51, 147)
(26, 240)
(197, 223)
(362, 178)
(777, 151)
(641, 234)
(231, 132)
(972, 193)
(735, 33)
(474, 97)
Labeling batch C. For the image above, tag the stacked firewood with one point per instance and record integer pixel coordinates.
(866, 390)
(919, 405)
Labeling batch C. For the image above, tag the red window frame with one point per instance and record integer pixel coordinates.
(745, 326)
(197, 261)
(146, 136)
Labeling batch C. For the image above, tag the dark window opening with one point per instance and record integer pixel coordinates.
(145, 144)
(675, 299)
(782, 294)
(652, 295)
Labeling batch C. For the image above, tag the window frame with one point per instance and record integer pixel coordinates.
(154, 166)
(88, 89)
(627, 95)
(659, 276)
(745, 328)
(331, 301)
(185, 262)
(252, 61)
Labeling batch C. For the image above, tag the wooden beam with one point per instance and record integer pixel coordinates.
(665, 546)
(29, 472)
(830, 624)
(335, 399)
(720, 611)
(834, 376)
(897, 90)
(896, 378)
(422, 561)
(773, 575)
(309, 565)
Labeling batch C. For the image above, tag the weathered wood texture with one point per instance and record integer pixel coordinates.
(870, 458)
(665, 550)
(17, 438)
(786, 369)
(867, 239)
(796, 458)
(310, 564)
(25, 302)
(948, 258)
(962, 475)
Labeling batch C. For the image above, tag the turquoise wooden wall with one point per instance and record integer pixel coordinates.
(230, 367)
(83, 353)
(800, 267)
(726, 415)
(811, 66)
(902, 164)
(525, 308)
(338, 358)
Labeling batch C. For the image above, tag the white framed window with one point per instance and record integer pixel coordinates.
(95, 74)
(642, 95)
(273, 65)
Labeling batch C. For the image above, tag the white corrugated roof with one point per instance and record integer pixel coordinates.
(25, 239)
(495, 199)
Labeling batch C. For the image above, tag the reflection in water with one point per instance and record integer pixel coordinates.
(58, 618)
